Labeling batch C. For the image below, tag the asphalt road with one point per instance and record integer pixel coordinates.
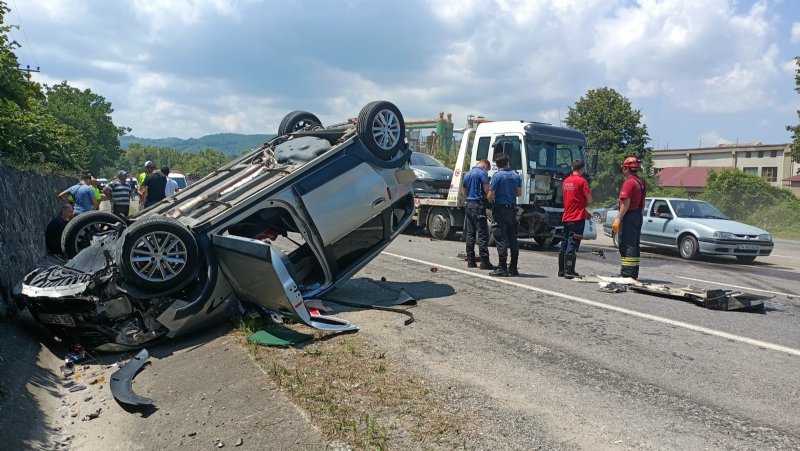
(544, 362)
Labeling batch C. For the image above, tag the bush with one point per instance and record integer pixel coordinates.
(781, 219)
(738, 194)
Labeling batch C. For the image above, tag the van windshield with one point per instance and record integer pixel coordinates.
(553, 156)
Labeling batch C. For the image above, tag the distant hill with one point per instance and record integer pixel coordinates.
(231, 144)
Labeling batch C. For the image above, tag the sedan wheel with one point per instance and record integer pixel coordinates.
(382, 129)
(157, 254)
(689, 248)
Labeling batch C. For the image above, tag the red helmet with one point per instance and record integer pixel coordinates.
(631, 162)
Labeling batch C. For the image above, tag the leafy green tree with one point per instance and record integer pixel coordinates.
(197, 164)
(795, 129)
(202, 163)
(90, 115)
(29, 136)
(615, 130)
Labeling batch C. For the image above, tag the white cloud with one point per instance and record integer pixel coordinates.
(638, 88)
(711, 139)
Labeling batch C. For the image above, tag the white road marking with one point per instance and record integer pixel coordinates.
(671, 322)
(743, 288)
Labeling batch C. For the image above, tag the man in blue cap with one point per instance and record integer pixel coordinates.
(475, 188)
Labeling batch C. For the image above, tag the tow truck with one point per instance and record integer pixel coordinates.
(541, 153)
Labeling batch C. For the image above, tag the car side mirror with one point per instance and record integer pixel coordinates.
(665, 216)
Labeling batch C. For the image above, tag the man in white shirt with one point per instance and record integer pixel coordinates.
(172, 185)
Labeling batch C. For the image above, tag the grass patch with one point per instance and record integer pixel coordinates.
(356, 395)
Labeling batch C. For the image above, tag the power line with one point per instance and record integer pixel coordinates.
(25, 35)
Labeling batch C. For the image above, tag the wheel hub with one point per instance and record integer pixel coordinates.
(386, 129)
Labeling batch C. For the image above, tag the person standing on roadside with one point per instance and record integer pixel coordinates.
(82, 194)
(172, 185)
(120, 194)
(154, 188)
(475, 188)
(505, 187)
(577, 196)
(95, 184)
(628, 225)
(149, 167)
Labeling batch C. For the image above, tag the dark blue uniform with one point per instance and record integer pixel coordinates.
(476, 215)
(504, 184)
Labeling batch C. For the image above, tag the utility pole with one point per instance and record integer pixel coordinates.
(28, 69)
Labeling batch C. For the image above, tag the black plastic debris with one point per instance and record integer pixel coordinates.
(122, 382)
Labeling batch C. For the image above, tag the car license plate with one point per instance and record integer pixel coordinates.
(61, 320)
(749, 247)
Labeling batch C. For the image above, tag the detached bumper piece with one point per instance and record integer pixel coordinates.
(710, 299)
(122, 382)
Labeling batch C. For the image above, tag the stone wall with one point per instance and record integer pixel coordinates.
(27, 203)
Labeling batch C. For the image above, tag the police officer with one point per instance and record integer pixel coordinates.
(475, 188)
(577, 196)
(504, 189)
(628, 225)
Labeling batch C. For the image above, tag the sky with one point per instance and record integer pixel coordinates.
(702, 72)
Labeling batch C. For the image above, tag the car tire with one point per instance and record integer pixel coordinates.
(597, 218)
(381, 128)
(296, 121)
(689, 247)
(615, 240)
(82, 228)
(746, 259)
(439, 226)
(157, 254)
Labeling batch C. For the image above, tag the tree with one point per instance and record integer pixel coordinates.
(614, 129)
(29, 135)
(795, 129)
(90, 115)
(202, 163)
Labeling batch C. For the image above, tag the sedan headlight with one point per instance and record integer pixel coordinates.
(724, 235)
(765, 237)
(420, 174)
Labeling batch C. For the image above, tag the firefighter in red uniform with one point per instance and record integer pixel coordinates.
(577, 196)
(628, 225)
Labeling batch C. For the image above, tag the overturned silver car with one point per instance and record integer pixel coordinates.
(286, 222)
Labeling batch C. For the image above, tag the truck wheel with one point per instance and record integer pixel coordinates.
(439, 226)
(296, 121)
(688, 247)
(157, 254)
(597, 218)
(82, 228)
(381, 128)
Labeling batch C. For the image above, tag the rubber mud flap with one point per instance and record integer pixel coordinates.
(122, 382)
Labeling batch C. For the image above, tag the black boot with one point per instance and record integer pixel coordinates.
(500, 271)
(486, 264)
(569, 266)
(512, 268)
(471, 262)
(560, 265)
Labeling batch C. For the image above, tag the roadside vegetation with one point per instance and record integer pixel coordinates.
(357, 395)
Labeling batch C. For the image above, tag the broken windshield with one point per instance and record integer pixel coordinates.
(550, 155)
